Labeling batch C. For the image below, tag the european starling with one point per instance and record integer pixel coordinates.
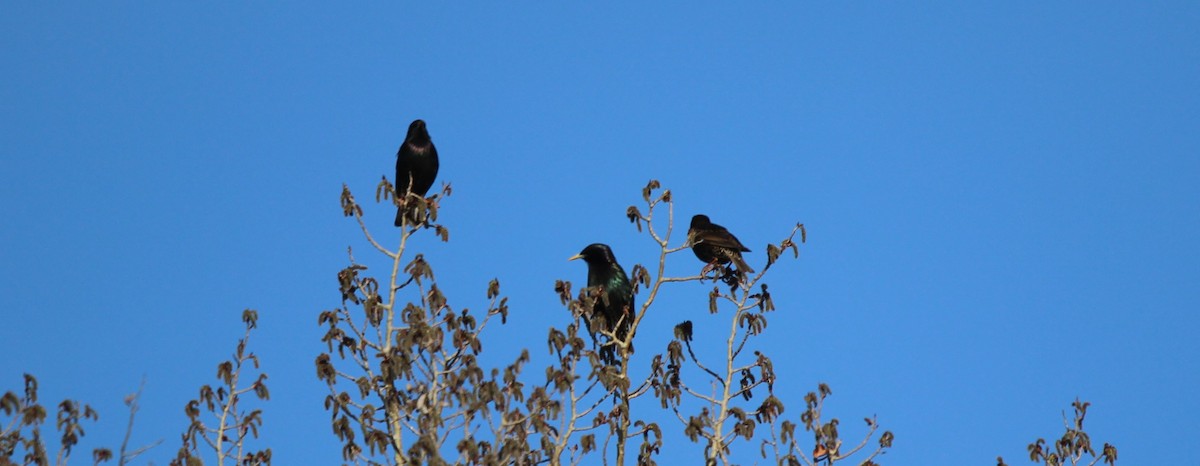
(615, 300)
(713, 244)
(416, 161)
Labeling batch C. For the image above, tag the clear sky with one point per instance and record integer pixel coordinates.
(1002, 198)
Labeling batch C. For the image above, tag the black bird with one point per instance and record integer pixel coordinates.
(615, 301)
(713, 244)
(416, 161)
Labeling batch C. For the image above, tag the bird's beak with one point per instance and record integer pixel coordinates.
(577, 256)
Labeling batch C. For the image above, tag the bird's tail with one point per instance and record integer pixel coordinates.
(742, 266)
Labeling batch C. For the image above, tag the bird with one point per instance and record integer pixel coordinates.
(714, 245)
(613, 309)
(416, 165)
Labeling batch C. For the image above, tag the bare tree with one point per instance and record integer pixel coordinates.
(21, 441)
(589, 407)
(230, 426)
(133, 402)
(827, 446)
(406, 387)
(727, 410)
(1074, 447)
(401, 363)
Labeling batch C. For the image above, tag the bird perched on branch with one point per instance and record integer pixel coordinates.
(715, 245)
(416, 165)
(613, 310)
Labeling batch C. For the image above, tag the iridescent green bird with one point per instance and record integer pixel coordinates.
(613, 310)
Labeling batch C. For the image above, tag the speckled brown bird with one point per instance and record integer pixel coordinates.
(715, 245)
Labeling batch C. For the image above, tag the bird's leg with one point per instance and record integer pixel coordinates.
(709, 267)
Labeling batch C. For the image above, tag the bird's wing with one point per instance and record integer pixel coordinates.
(403, 167)
(720, 237)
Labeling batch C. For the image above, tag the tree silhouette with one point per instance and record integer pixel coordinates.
(230, 428)
(21, 438)
(1074, 447)
(407, 386)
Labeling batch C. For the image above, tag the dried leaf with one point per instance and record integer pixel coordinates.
(683, 331)
(650, 187)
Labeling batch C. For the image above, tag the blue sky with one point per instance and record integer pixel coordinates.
(1001, 197)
